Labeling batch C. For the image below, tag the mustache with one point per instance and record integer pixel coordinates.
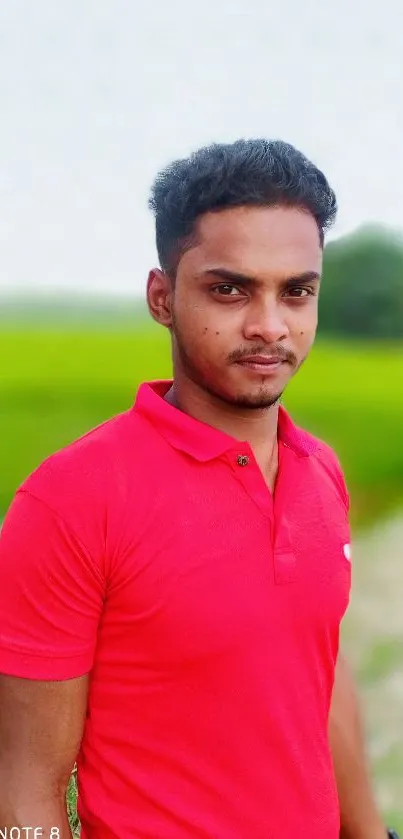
(277, 351)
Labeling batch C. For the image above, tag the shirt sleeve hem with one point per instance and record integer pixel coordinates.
(30, 665)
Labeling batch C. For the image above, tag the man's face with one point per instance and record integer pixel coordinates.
(245, 303)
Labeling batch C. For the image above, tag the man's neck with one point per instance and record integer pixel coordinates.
(258, 427)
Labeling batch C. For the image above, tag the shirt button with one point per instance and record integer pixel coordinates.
(242, 460)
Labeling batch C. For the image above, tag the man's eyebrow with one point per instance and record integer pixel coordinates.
(248, 280)
(305, 277)
(232, 276)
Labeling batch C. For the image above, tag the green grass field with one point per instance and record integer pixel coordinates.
(57, 384)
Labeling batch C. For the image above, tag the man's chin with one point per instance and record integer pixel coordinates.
(257, 403)
(258, 396)
(252, 401)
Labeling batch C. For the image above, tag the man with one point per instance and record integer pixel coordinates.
(173, 583)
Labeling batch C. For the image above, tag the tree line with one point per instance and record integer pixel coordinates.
(362, 288)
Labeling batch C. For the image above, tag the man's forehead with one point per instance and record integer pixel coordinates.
(265, 222)
(256, 240)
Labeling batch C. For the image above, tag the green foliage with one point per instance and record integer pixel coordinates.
(56, 385)
(362, 289)
(71, 802)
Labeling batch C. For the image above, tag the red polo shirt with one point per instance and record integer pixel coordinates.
(151, 553)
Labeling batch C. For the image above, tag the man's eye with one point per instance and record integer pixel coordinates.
(300, 291)
(226, 290)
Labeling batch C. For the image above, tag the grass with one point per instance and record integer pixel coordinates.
(71, 802)
(56, 384)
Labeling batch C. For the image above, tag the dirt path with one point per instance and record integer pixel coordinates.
(373, 639)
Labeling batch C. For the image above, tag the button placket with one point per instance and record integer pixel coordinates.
(285, 564)
(247, 472)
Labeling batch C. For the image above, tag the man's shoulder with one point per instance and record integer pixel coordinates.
(318, 454)
(305, 443)
(81, 472)
(327, 462)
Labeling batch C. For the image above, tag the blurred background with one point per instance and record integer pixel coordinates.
(95, 97)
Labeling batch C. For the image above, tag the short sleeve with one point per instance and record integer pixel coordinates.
(51, 595)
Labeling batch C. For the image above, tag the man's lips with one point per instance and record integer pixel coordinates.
(265, 365)
(261, 359)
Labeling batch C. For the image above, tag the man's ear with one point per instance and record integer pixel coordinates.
(159, 297)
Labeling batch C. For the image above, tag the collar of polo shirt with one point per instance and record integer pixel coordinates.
(198, 439)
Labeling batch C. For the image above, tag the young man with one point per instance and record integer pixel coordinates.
(172, 584)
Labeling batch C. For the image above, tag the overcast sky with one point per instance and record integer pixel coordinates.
(96, 96)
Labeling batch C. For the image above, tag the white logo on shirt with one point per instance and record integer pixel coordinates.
(347, 551)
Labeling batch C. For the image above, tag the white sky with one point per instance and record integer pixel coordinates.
(97, 95)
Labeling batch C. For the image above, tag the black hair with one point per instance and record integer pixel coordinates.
(244, 173)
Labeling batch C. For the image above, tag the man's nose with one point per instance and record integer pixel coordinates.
(266, 322)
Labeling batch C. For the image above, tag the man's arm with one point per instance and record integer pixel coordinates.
(360, 817)
(41, 727)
